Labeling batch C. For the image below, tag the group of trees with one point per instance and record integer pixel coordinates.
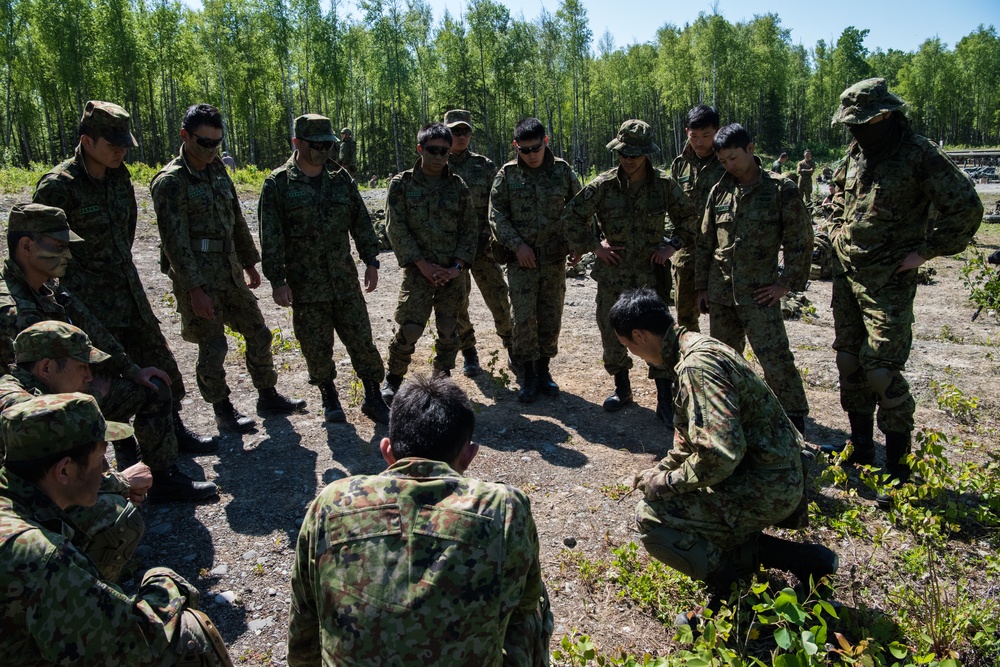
(392, 68)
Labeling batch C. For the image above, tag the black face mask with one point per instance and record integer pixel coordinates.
(879, 140)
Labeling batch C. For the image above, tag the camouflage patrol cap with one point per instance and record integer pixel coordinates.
(635, 137)
(457, 117)
(313, 127)
(346, 131)
(865, 100)
(40, 219)
(110, 121)
(55, 423)
(55, 340)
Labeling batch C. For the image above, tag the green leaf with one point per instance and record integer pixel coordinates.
(809, 642)
(783, 638)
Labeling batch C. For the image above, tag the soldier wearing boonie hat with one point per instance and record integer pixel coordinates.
(313, 127)
(348, 154)
(635, 137)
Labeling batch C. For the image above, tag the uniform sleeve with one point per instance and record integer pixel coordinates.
(362, 229)
(303, 616)
(468, 228)
(526, 641)
(577, 218)
(246, 249)
(170, 203)
(959, 208)
(796, 239)
(838, 202)
(683, 215)
(499, 214)
(705, 244)
(404, 245)
(119, 363)
(51, 191)
(272, 234)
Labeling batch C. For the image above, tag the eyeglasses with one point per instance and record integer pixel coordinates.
(438, 151)
(205, 142)
(320, 145)
(528, 150)
(461, 131)
(622, 156)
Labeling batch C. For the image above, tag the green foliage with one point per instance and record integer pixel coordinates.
(280, 342)
(497, 370)
(356, 391)
(951, 399)
(241, 343)
(982, 281)
(616, 491)
(15, 180)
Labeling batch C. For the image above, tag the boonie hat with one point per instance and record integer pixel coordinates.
(346, 131)
(865, 100)
(40, 219)
(313, 127)
(111, 121)
(457, 117)
(635, 137)
(56, 340)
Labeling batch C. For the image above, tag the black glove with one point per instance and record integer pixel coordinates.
(994, 258)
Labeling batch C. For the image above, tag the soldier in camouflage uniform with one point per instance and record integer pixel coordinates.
(420, 565)
(347, 154)
(307, 209)
(434, 232)
(526, 205)
(805, 169)
(94, 189)
(735, 467)
(39, 237)
(643, 218)
(206, 243)
(890, 181)
(478, 172)
(696, 170)
(779, 164)
(750, 216)
(55, 608)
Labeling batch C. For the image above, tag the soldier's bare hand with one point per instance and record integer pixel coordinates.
(662, 255)
(702, 300)
(430, 271)
(608, 253)
(202, 304)
(651, 482)
(146, 374)
(770, 295)
(282, 296)
(574, 259)
(371, 279)
(911, 261)
(526, 256)
(140, 479)
(253, 276)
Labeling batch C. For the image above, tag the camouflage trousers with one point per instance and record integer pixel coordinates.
(686, 297)
(114, 528)
(765, 329)
(616, 357)
(492, 285)
(664, 282)
(153, 423)
(417, 298)
(238, 308)
(537, 297)
(145, 344)
(314, 324)
(877, 330)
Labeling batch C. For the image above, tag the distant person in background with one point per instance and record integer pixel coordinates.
(228, 160)
(373, 182)
(348, 154)
(806, 168)
(777, 165)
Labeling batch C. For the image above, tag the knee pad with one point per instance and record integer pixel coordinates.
(852, 375)
(200, 644)
(446, 326)
(684, 552)
(890, 385)
(215, 349)
(112, 546)
(411, 332)
(260, 340)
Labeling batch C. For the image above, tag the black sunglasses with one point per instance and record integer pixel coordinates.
(320, 145)
(205, 142)
(461, 131)
(439, 151)
(530, 149)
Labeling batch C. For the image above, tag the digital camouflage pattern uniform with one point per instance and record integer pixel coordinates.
(434, 220)
(526, 207)
(735, 465)
(206, 242)
(805, 170)
(418, 565)
(347, 155)
(741, 235)
(696, 176)
(304, 228)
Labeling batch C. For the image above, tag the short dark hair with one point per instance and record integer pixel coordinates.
(34, 470)
(13, 238)
(640, 309)
(432, 131)
(701, 117)
(431, 418)
(88, 131)
(201, 114)
(529, 128)
(29, 366)
(731, 136)
(783, 155)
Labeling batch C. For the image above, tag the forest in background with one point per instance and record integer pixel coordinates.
(393, 67)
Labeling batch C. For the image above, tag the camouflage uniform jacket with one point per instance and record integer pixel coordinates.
(103, 274)
(638, 218)
(431, 219)
(54, 607)
(304, 231)
(883, 213)
(20, 307)
(418, 565)
(526, 206)
(192, 206)
(348, 152)
(696, 176)
(742, 233)
(478, 172)
(727, 422)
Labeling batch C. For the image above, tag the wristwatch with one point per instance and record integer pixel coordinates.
(377, 264)
(674, 242)
(458, 265)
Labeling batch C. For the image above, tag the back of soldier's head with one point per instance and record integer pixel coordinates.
(640, 309)
(431, 418)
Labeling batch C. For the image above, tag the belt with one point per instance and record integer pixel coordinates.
(212, 245)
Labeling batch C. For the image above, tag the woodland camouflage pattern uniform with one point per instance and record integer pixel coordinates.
(741, 235)
(526, 207)
(418, 565)
(206, 242)
(805, 171)
(696, 176)
(348, 153)
(432, 220)
(103, 273)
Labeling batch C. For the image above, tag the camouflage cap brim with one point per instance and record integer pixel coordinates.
(67, 235)
(123, 140)
(322, 137)
(117, 431)
(860, 116)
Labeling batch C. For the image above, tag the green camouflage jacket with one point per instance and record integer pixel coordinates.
(636, 218)
(431, 219)
(526, 206)
(741, 235)
(696, 176)
(478, 172)
(54, 607)
(20, 307)
(304, 231)
(194, 206)
(348, 152)
(418, 565)
(883, 213)
(103, 273)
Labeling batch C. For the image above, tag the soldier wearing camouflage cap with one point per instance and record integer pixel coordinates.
(94, 188)
(58, 608)
(891, 180)
(309, 210)
(643, 218)
(348, 153)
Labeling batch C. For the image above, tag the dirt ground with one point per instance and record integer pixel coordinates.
(238, 550)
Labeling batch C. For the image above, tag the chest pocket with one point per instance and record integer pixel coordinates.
(522, 202)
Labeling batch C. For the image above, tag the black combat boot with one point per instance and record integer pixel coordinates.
(622, 395)
(471, 367)
(390, 387)
(665, 401)
(802, 560)
(126, 453)
(799, 422)
(862, 437)
(332, 411)
(228, 418)
(171, 484)
(373, 406)
(529, 383)
(897, 448)
(270, 402)
(546, 384)
(191, 442)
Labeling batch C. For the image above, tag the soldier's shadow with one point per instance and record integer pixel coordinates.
(507, 432)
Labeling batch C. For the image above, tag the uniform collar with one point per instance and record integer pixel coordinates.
(421, 468)
(418, 174)
(42, 509)
(296, 174)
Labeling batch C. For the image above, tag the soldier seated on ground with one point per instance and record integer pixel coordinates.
(735, 467)
(55, 608)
